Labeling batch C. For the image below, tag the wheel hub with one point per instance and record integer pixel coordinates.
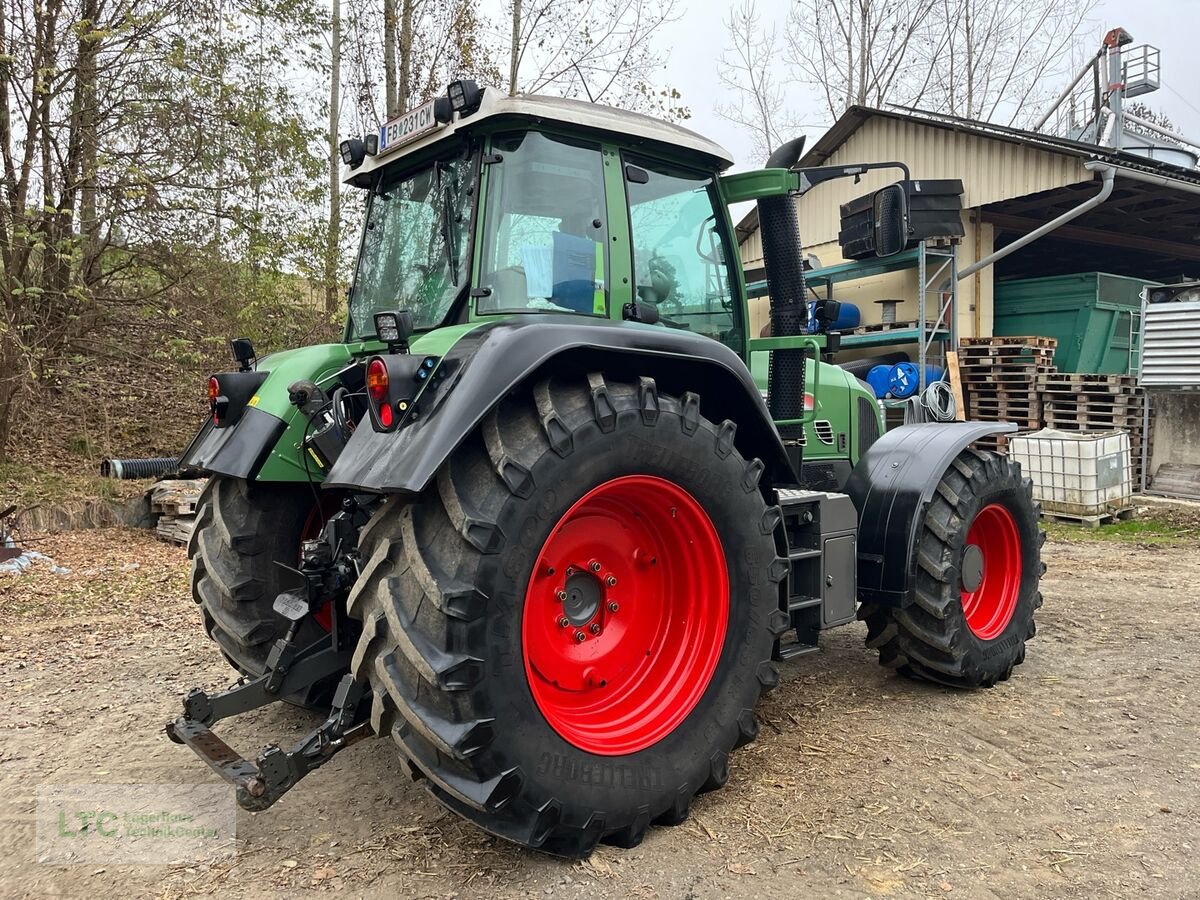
(972, 568)
(583, 596)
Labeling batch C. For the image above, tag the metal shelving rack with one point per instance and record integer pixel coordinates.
(937, 280)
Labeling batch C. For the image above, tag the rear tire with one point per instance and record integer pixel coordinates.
(973, 609)
(454, 648)
(242, 531)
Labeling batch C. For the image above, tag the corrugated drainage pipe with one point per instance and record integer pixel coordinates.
(138, 468)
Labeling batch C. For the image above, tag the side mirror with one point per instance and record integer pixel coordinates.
(891, 220)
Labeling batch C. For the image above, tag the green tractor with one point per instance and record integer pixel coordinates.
(533, 519)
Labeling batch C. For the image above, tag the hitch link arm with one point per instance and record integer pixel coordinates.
(261, 782)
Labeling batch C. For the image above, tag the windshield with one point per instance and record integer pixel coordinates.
(414, 246)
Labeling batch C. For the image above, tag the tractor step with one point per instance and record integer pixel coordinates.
(820, 529)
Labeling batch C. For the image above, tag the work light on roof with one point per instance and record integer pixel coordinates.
(465, 96)
(353, 151)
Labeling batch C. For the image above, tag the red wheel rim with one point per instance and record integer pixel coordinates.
(637, 572)
(989, 607)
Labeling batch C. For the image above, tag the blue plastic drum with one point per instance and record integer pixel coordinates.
(904, 378)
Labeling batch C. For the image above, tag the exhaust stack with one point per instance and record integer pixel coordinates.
(779, 225)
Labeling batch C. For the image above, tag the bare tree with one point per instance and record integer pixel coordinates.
(746, 69)
(999, 61)
(858, 51)
(994, 60)
(600, 50)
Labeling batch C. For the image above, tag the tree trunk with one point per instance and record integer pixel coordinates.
(389, 58)
(514, 53)
(89, 227)
(335, 194)
(403, 95)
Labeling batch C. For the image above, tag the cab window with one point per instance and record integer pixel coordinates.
(680, 256)
(545, 231)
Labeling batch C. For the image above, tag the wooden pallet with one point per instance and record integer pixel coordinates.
(175, 502)
(1107, 518)
(175, 529)
(1071, 384)
(1022, 375)
(1009, 340)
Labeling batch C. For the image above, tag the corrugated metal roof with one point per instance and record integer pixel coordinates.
(855, 116)
(1170, 357)
(995, 163)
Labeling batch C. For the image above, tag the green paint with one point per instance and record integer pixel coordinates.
(620, 259)
(318, 363)
(758, 184)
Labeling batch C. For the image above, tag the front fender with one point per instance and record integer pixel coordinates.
(488, 362)
(890, 487)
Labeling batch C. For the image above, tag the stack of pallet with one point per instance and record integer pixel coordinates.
(174, 502)
(999, 379)
(1075, 402)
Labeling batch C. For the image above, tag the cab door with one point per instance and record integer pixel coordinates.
(682, 256)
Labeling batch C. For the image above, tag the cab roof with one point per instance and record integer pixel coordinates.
(498, 109)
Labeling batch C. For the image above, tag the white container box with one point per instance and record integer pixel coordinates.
(1077, 473)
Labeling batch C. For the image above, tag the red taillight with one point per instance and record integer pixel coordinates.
(386, 416)
(214, 391)
(377, 382)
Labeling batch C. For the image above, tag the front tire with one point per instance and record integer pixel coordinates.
(978, 567)
(502, 709)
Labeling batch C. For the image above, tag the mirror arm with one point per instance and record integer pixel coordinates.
(811, 177)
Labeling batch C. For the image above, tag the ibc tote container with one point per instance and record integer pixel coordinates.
(1078, 474)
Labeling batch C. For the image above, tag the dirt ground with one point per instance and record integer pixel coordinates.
(1080, 777)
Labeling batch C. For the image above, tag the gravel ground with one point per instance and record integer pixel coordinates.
(1077, 778)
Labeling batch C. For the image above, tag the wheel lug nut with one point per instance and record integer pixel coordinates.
(612, 606)
(611, 580)
(594, 566)
(594, 628)
(562, 596)
(563, 621)
(580, 636)
(570, 570)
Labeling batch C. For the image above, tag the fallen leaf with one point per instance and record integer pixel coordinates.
(741, 869)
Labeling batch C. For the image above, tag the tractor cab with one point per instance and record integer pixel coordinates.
(535, 205)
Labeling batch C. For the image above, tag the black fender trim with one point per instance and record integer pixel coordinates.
(237, 451)
(494, 359)
(890, 487)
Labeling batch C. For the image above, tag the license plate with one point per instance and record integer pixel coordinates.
(407, 127)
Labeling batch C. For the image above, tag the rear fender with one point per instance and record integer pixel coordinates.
(891, 487)
(492, 360)
(263, 444)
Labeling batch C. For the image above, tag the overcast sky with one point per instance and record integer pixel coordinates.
(697, 40)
